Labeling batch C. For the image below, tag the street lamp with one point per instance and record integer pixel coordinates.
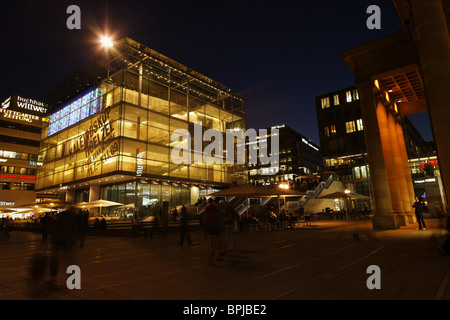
(282, 186)
(106, 42)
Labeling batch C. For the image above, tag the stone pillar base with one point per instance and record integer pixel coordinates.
(385, 223)
(402, 219)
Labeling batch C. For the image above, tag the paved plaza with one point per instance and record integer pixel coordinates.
(325, 262)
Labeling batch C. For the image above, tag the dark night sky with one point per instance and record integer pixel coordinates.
(279, 54)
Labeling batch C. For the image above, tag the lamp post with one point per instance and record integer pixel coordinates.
(346, 191)
(282, 186)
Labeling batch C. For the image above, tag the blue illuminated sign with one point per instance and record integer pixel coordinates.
(83, 107)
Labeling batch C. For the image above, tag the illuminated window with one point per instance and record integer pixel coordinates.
(325, 102)
(336, 99)
(333, 130)
(359, 125)
(348, 94)
(355, 94)
(350, 126)
(330, 130)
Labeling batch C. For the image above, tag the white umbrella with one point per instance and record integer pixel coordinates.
(83, 204)
(345, 195)
(125, 206)
(103, 203)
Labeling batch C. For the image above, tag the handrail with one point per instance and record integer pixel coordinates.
(313, 194)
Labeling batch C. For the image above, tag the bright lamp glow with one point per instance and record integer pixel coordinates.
(106, 42)
(347, 191)
(284, 186)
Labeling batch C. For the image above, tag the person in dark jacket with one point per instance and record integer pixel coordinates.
(418, 207)
(184, 230)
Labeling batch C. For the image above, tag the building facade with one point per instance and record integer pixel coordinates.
(297, 156)
(111, 135)
(21, 121)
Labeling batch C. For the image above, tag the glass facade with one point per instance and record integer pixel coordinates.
(128, 123)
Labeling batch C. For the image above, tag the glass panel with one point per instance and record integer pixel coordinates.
(159, 136)
(158, 99)
(157, 168)
(178, 105)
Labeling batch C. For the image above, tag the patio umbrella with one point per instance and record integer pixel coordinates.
(83, 204)
(126, 206)
(246, 190)
(103, 203)
(49, 204)
(345, 195)
(284, 192)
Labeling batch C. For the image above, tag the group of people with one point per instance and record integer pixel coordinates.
(200, 201)
(5, 225)
(219, 221)
(63, 232)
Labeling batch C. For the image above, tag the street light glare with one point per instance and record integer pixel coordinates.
(106, 42)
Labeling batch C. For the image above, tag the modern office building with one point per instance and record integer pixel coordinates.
(298, 156)
(21, 121)
(341, 134)
(111, 134)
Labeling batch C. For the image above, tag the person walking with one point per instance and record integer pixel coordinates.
(45, 222)
(231, 219)
(156, 224)
(418, 207)
(184, 230)
(212, 230)
(64, 231)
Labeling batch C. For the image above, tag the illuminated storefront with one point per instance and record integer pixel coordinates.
(114, 140)
(427, 183)
(20, 132)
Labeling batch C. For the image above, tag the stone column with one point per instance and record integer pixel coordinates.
(433, 46)
(403, 191)
(388, 154)
(70, 195)
(407, 172)
(94, 194)
(383, 217)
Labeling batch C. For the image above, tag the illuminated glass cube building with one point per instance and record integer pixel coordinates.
(109, 135)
